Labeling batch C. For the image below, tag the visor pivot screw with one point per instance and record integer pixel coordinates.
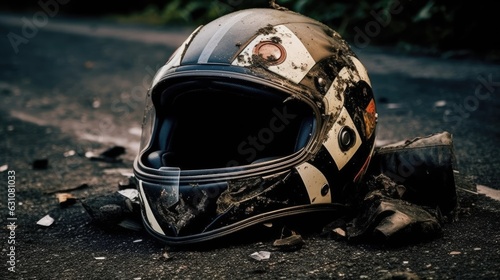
(347, 138)
(325, 189)
(320, 84)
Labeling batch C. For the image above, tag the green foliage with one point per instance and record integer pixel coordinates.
(427, 24)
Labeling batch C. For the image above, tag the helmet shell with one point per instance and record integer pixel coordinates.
(259, 115)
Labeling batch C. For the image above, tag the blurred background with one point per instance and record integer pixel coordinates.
(434, 27)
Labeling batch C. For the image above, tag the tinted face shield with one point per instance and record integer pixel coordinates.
(210, 124)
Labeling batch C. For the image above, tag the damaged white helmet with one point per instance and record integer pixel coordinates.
(258, 115)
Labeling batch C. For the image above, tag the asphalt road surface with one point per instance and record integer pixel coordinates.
(72, 86)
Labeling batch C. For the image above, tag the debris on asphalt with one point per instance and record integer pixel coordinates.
(46, 221)
(127, 172)
(4, 168)
(129, 184)
(386, 218)
(100, 258)
(424, 166)
(132, 194)
(440, 103)
(66, 199)
(110, 155)
(115, 209)
(489, 192)
(42, 163)
(260, 255)
(79, 187)
(335, 230)
(69, 153)
(291, 242)
(131, 224)
(96, 103)
(455, 253)
(165, 255)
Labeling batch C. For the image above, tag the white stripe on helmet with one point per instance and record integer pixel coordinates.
(149, 214)
(314, 181)
(296, 65)
(340, 157)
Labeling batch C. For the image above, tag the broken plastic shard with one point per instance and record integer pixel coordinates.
(109, 155)
(339, 231)
(289, 243)
(82, 186)
(440, 103)
(4, 168)
(69, 153)
(65, 199)
(132, 194)
(489, 192)
(131, 224)
(261, 255)
(165, 254)
(46, 221)
(110, 209)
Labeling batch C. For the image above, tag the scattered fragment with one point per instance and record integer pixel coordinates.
(290, 243)
(339, 231)
(4, 168)
(113, 152)
(165, 254)
(100, 258)
(137, 240)
(111, 210)
(261, 255)
(40, 163)
(489, 192)
(46, 221)
(477, 249)
(335, 230)
(129, 184)
(440, 103)
(65, 199)
(455, 253)
(131, 225)
(96, 103)
(393, 105)
(109, 155)
(131, 194)
(127, 172)
(69, 153)
(82, 186)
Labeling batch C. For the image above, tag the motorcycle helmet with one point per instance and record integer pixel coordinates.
(260, 114)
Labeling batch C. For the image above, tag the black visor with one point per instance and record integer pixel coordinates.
(214, 124)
